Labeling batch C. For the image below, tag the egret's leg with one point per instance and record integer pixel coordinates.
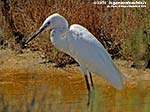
(87, 83)
(84, 70)
(86, 77)
(88, 87)
(91, 80)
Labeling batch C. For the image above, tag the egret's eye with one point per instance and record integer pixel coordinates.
(48, 22)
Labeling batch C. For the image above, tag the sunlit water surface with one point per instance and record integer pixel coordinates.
(60, 90)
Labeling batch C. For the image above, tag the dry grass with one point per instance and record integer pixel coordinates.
(112, 26)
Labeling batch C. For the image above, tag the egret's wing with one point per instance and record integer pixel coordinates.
(90, 53)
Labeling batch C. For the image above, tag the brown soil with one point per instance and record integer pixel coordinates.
(31, 61)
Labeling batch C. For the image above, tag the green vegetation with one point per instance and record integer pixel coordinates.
(136, 42)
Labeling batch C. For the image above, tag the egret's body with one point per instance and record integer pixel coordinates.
(79, 43)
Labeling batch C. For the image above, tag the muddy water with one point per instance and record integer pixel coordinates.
(58, 89)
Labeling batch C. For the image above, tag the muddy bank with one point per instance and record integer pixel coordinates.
(31, 61)
(10, 59)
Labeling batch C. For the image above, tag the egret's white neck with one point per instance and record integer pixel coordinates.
(59, 32)
(58, 37)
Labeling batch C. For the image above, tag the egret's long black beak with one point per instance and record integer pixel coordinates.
(35, 34)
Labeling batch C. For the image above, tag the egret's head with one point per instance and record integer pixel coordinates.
(52, 22)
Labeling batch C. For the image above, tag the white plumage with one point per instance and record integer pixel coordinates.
(91, 55)
(79, 43)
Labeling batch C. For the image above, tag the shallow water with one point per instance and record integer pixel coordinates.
(60, 90)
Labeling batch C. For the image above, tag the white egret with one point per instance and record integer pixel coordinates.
(80, 44)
